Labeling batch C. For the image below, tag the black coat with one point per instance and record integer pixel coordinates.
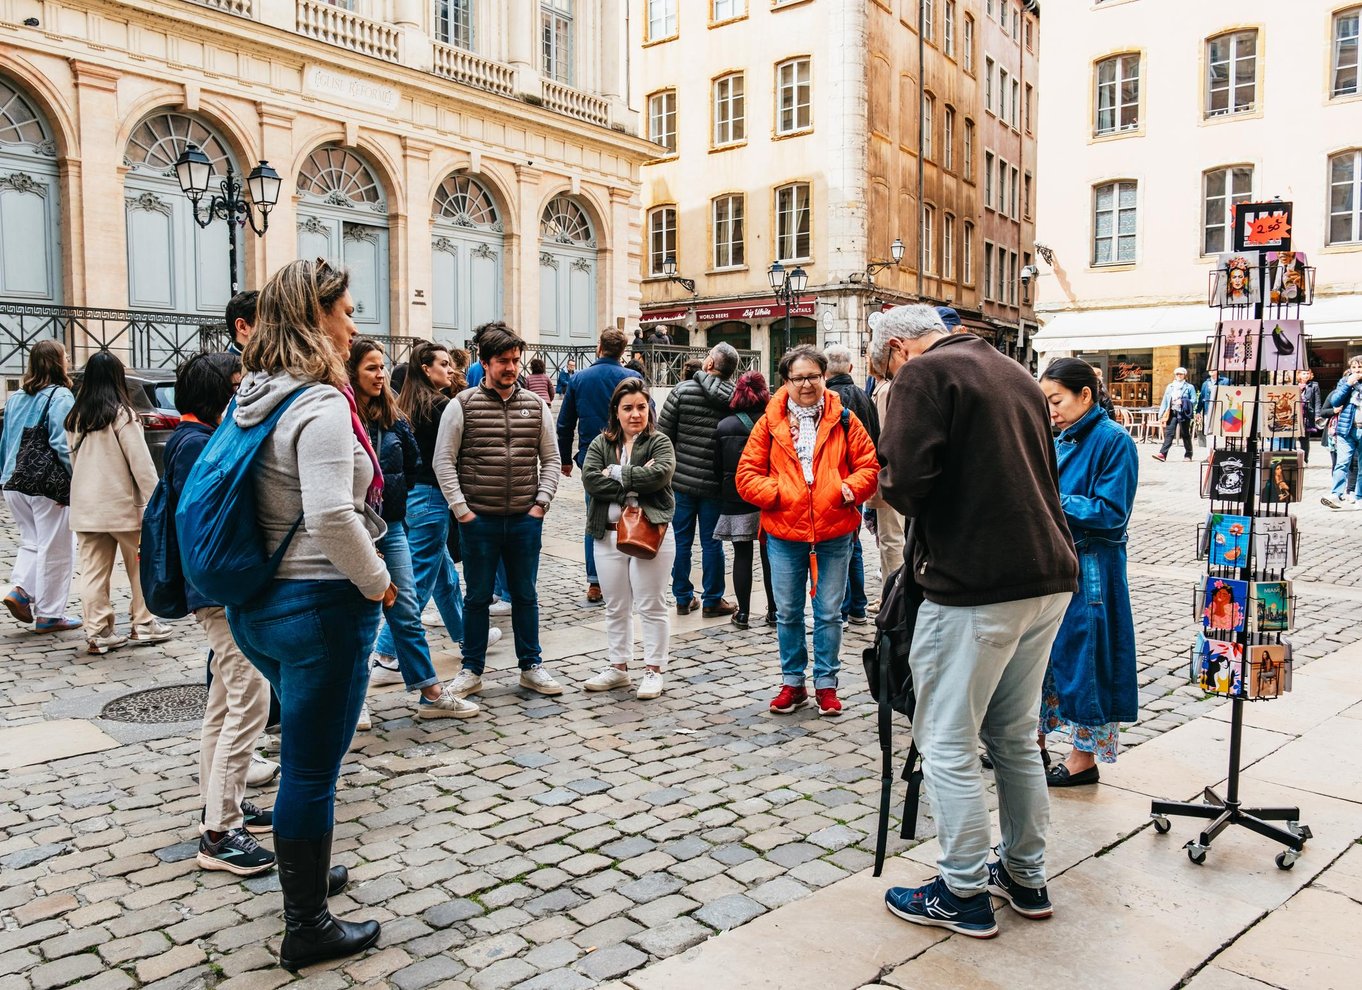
(731, 435)
(854, 398)
(399, 459)
(689, 418)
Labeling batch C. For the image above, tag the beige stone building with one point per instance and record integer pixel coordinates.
(1160, 116)
(467, 159)
(816, 133)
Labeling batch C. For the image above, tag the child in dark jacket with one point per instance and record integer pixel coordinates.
(739, 522)
(238, 694)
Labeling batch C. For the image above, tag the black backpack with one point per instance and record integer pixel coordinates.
(891, 685)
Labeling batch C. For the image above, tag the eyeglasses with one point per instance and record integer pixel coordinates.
(805, 381)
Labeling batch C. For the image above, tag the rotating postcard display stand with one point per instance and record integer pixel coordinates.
(1252, 475)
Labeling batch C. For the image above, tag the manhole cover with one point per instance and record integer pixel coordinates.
(182, 703)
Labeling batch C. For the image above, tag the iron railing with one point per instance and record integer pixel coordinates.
(140, 339)
(663, 364)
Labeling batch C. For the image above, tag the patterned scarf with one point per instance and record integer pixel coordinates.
(804, 430)
(374, 496)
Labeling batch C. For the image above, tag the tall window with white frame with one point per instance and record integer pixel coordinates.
(1016, 105)
(725, 10)
(1012, 278)
(1114, 223)
(793, 236)
(1002, 94)
(988, 84)
(928, 126)
(1000, 273)
(1222, 190)
(661, 238)
(968, 169)
(948, 138)
(1118, 94)
(729, 248)
(661, 19)
(988, 180)
(948, 246)
(1344, 80)
(556, 36)
(967, 253)
(662, 119)
(928, 14)
(730, 119)
(1232, 73)
(454, 23)
(794, 96)
(988, 270)
(948, 29)
(1345, 198)
(1013, 184)
(928, 239)
(1001, 190)
(969, 44)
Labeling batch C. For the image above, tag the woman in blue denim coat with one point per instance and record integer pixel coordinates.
(1091, 685)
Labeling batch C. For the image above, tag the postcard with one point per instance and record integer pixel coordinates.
(1274, 542)
(1231, 406)
(1283, 476)
(1229, 475)
(1271, 606)
(1288, 278)
(1236, 346)
(1279, 412)
(1228, 541)
(1283, 346)
(1220, 659)
(1264, 671)
(1226, 605)
(1237, 280)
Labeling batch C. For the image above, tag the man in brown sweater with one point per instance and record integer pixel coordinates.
(969, 459)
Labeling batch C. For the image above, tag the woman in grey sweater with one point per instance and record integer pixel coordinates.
(311, 632)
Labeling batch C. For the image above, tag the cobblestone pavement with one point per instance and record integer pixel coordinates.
(550, 843)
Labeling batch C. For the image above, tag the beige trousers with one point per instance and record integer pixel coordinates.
(97, 555)
(889, 529)
(238, 705)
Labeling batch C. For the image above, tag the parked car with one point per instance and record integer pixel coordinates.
(153, 396)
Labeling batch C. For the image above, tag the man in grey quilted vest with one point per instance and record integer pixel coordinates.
(496, 458)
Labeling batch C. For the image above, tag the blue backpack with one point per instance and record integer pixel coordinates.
(159, 558)
(222, 547)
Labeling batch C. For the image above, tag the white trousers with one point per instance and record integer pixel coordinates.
(46, 560)
(630, 584)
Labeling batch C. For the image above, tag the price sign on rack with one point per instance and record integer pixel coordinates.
(1262, 227)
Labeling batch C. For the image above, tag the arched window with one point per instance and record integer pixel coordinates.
(30, 260)
(343, 217)
(173, 264)
(467, 252)
(567, 273)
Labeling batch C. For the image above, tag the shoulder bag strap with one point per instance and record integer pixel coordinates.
(886, 734)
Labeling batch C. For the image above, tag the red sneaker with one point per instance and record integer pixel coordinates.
(789, 699)
(828, 705)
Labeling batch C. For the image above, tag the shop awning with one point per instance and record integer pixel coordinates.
(1147, 327)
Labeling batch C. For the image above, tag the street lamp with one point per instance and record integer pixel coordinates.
(788, 287)
(669, 270)
(895, 255)
(195, 174)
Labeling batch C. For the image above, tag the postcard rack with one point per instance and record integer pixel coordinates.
(1252, 475)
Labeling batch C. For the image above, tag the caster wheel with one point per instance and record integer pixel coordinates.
(1286, 860)
(1196, 853)
(1299, 830)
(1162, 825)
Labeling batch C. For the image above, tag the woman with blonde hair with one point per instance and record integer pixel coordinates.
(46, 557)
(311, 631)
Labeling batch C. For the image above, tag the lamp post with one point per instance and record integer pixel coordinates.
(788, 287)
(669, 270)
(195, 174)
(896, 251)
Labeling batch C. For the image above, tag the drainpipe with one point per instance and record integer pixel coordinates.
(921, 144)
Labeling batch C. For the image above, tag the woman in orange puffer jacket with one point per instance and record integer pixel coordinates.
(808, 467)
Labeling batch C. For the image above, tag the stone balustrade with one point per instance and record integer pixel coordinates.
(346, 29)
(463, 66)
(575, 103)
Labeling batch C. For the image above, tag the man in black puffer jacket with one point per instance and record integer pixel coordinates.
(689, 418)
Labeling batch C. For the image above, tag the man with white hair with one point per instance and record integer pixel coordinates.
(840, 380)
(1176, 409)
(968, 457)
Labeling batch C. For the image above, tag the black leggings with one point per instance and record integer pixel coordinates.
(742, 575)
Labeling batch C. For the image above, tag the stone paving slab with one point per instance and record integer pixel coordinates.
(43, 742)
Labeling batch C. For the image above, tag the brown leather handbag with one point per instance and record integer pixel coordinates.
(636, 536)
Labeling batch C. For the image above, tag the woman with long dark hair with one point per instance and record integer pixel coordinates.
(1091, 685)
(631, 463)
(46, 556)
(399, 459)
(739, 521)
(112, 478)
(317, 480)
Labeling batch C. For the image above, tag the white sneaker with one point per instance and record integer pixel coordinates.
(381, 673)
(99, 645)
(499, 608)
(365, 723)
(447, 705)
(650, 687)
(465, 683)
(608, 679)
(493, 636)
(540, 681)
(152, 632)
(261, 771)
(431, 617)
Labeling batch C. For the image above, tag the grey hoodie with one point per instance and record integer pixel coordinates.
(300, 469)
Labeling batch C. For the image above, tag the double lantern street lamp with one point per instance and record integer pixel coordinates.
(788, 286)
(195, 174)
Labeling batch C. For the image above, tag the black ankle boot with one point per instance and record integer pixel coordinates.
(740, 619)
(311, 934)
(336, 880)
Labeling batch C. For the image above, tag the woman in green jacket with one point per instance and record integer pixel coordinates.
(631, 463)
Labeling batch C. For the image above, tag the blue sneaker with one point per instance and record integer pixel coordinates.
(1026, 901)
(934, 904)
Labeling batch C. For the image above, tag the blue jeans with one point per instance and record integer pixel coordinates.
(855, 602)
(403, 626)
(1345, 449)
(590, 543)
(790, 581)
(433, 571)
(690, 510)
(514, 541)
(311, 640)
